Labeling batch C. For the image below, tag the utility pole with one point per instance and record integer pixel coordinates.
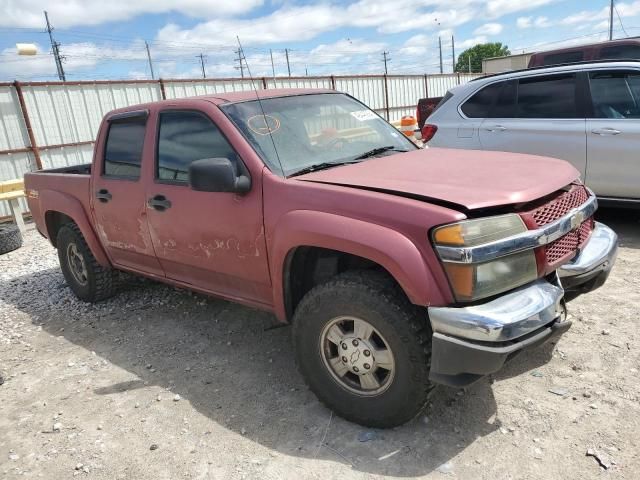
(149, 58)
(306, 71)
(273, 68)
(453, 54)
(385, 59)
(55, 47)
(611, 20)
(201, 57)
(239, 59)
(286, 53)
(440, 47)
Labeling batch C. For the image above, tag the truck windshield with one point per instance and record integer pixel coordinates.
(296, 133)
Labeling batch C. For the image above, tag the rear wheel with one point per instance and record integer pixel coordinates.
(363, 349)
(85, 276)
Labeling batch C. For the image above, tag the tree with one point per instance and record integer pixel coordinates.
(479, 53)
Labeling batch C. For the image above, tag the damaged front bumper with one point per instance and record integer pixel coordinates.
(470, 342)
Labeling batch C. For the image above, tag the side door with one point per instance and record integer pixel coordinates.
(613, 134)
(118, 196)
(539, 115)
(213, 241)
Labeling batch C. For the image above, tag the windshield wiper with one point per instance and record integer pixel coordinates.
(378, 151)
(321, 166)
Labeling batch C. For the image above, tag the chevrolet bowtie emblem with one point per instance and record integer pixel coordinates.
(576, 220)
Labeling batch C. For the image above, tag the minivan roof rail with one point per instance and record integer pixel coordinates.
(570, 64)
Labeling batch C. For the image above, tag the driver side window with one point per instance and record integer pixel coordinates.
(186, 136)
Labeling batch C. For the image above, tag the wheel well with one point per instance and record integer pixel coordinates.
(54, 221)
(307, 267)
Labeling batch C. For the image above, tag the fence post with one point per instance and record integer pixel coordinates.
(264, 83)
(162, 92)
(386, 97)
(27, 123)
(426, 86)
(333, 82)
(458, 78)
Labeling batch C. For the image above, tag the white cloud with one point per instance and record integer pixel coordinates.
(472, 42)
(28, 13)
(524, 22)
(488, 29)
(498, 8)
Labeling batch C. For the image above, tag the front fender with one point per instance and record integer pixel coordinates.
(384, 246)
(53, 201)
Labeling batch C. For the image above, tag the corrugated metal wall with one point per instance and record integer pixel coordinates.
(65, 117)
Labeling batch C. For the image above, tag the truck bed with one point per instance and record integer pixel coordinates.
(84, 169)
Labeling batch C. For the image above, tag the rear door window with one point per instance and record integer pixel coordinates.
(551, 96)
(505, 106)
(615, 94)
(480, 104)
(123, 150)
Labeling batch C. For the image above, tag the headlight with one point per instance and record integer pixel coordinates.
(473, 281)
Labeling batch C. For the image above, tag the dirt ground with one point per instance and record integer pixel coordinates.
(158, 383)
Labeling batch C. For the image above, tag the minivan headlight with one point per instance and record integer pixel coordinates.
(474, 281)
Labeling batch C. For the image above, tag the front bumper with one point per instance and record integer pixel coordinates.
(469, 342)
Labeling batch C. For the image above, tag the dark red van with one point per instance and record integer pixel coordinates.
(627, 49)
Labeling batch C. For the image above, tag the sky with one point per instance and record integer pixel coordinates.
(105, 39)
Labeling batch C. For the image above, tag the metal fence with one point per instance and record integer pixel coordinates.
(54, 124)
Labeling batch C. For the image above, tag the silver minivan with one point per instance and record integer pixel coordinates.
(588, 114)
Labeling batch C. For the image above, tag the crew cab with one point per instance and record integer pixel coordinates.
(399, 268)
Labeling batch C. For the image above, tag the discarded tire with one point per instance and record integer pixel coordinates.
(10, 238)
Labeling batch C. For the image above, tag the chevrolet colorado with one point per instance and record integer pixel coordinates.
(399, 268)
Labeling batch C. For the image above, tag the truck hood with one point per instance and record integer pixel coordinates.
(471, 179)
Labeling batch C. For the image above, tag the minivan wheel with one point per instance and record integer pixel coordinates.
(364, 349)
(85, 276)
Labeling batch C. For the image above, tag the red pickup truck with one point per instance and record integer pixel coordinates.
(399, 268)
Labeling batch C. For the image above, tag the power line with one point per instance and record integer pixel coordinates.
(150, 62)
(385, 59)
(55, 46)
(611, 20)
(201, 57)
(620, 20)
(286, 53)
(239, 59)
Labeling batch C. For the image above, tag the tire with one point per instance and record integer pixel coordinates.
(398, 325)
(92, 283)
(10, 238)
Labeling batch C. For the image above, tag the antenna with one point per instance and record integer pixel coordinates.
(264, 115)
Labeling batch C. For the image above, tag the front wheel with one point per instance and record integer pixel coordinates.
(363, 349)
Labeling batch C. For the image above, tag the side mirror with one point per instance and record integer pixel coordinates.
(217, 175)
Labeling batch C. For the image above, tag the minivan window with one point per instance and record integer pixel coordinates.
(185, 137)
(479, 105)
(615, 94)
(564, 57)
(547, 97)
(123, 150)
(620, 52)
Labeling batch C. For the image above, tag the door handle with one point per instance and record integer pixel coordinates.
(159, 202)
(606, 131)
(496, 128)
(103, 195)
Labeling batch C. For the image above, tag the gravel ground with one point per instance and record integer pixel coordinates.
(160, 383)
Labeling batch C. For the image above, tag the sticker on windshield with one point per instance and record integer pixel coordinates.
(363, 115)
(263, 124)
